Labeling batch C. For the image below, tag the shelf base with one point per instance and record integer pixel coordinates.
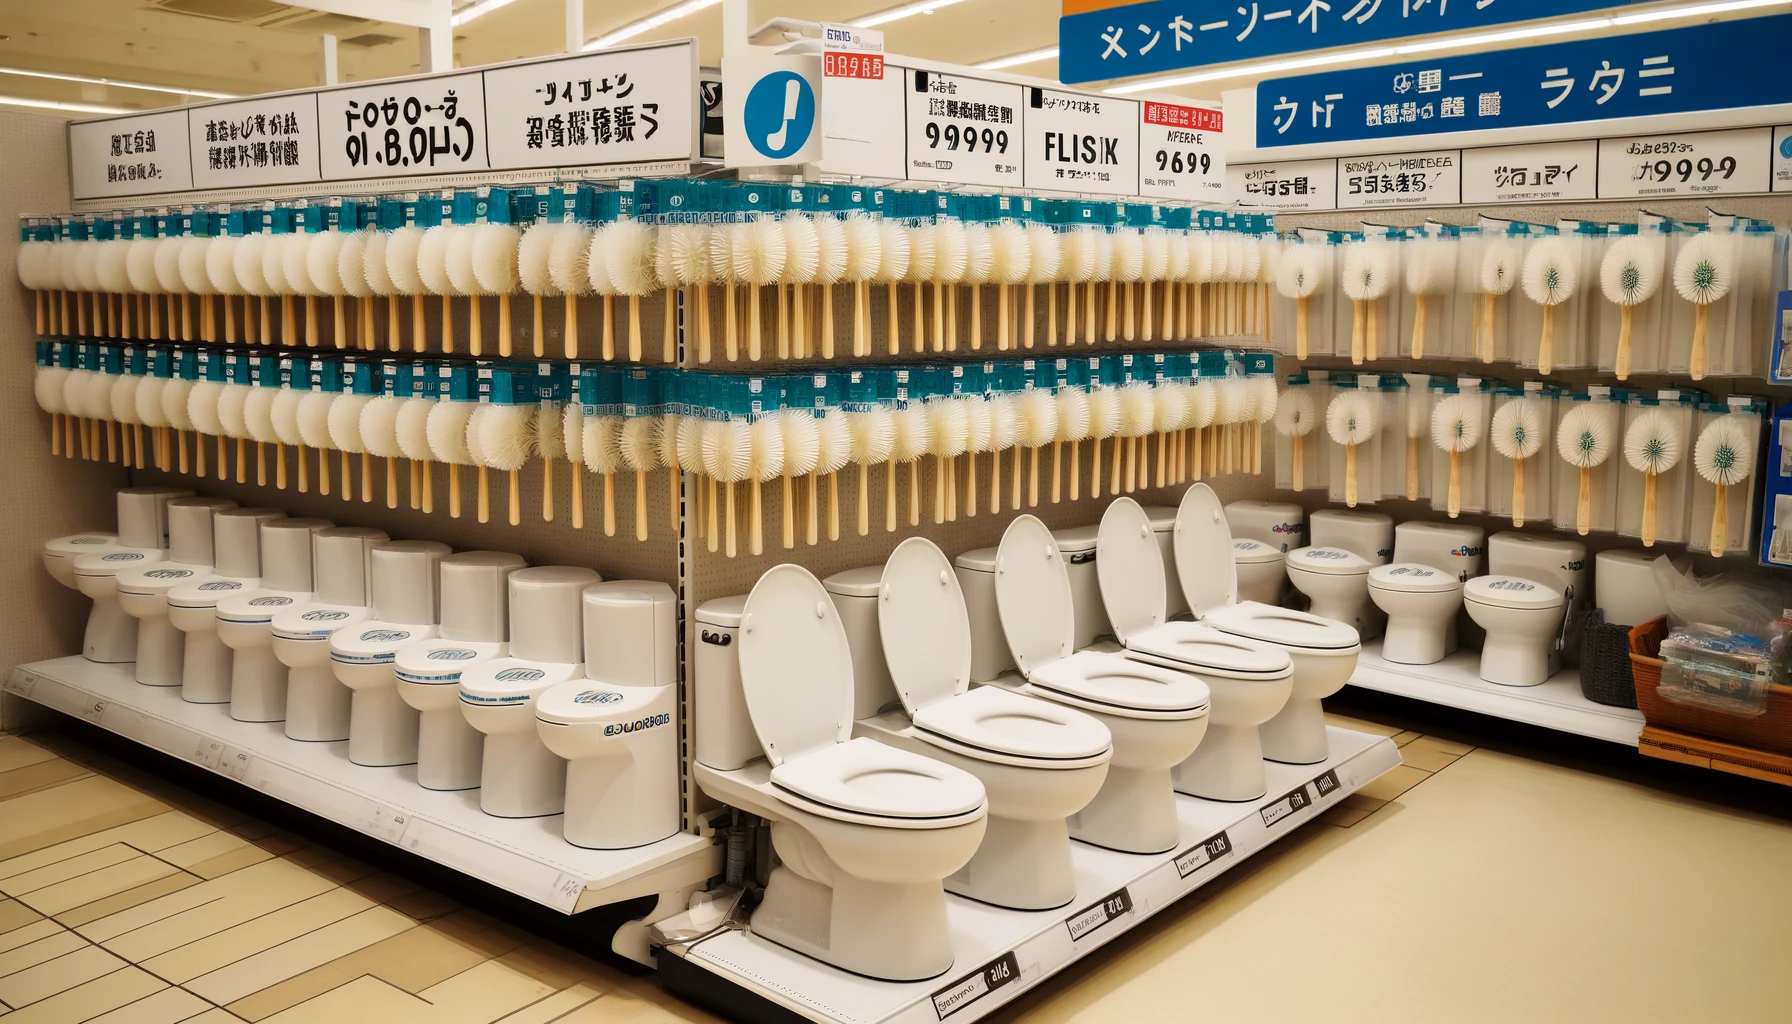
(1716, 755)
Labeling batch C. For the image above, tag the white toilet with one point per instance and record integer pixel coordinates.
(990, 657)
(1163, 524)
(1079, 547)
(724, 730)
(475, 596)
(1336, 583)
(865, 832)
(1262, 571)
(855, 595)
(1625, 589)
(207, 665)
(1451, 548)
(143, 592)
(1523, 620)
(1156, 716)
(111, 635)
(317, 706)
(1039, 761)
(1369, 535)
(519, 777)
(618, 727)
(1280, 524)
(1421, 605)
(1557, 563)
(382, 728)
(59, 554)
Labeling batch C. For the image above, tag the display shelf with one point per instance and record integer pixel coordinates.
(1002, 953)
(526, 856)
(1456, 682)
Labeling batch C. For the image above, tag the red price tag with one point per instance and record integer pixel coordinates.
(835, 64)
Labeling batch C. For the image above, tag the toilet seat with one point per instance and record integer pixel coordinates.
(207, 594)
(1283, 627)
(1328, 562)
(1122, 687)
(1198, 647)
(255, 608)
(1251, 551)
(162, 577)
(441, 662)
(510, 682)
(316, 621)
(110, 562)
(1511, 592)
(869, 778)
(990, 722)
(375, 643)
(1412, 578)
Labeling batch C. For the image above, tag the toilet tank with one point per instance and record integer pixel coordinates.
(631, 633)
(990, 656)
(1446, 547)
(1280, 524)
(1078, 547)
(724, 729)
(1368, 535)
(1163, 527)
(854, 593)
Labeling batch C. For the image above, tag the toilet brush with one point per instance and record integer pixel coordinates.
(500, 436)
(1419, 414)
(1037, 424)
(1045, 261)
(1204, 407)
(295, 268)
(948, 430)
(923, 255)
(979, 435)
(314, 432)
(432, 271)
(1367, 279)
(1010, 264)
(124, 413)
(1350, 421)
(404, 266)
(689, 444)
(722, 241)
(1200, 275)
(639, 440)
(597, 272)
(802, 260)
(629, 264)
(115, 280)
(1169, 402)
(834, 454)
(979, 271)
(1156, 269)
(682, 262)
(1248, 266)
(1584, 440)
(1629, 276)
(34, 257)
(572, 444)
(669, 453)
(1219, 279)
(496, 271)
(1137, 413)
(1549, 279)
(323, 268)
(1264, 399)
(893, 265)
(1499, 272)
(830, 269)
(1004, 435)
(171, 414)
(1295, 417)
(413, 437)
(193, 278)
(447, 432)
(1074, 421)
(203, 419)
(140, 271)
(1430, 274)
(547, 442)
(951, 262)
(764, 464)
(1104, 422)
(1652, 446)
(168, 283)
(463, 282)
(914, 436)
(728, 458)
(232, 423)
(1076, 249)
(1455, 428)
(760, 252)
(1725, 458)
(1300, 277)
(1518, 435)
(351, 271)
(602, 445)
(285, 414)
(345, 437)
(1127, 266)
(864, 264)
(48, 388)
(1704, 273)
(873, 429)
(378, 431)
(1231, 394)
(801, 439)
(379, 283)
(533, 254)
(570, 272)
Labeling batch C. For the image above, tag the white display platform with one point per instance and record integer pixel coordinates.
(1002, 953)
(1456, 682)
(526, 856)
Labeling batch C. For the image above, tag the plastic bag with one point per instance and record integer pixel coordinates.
(1716, 669)
(1729, 601)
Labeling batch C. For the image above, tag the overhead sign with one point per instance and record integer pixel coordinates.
(1551, 172)
(1647, 74)
(1402, 179)
(1691, 164)
(629, 106)
(1118, 40)
(771, 109)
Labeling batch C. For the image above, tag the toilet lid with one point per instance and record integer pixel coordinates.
(868, 777)
(1510, 592)
(1283, 626)
(208, 593)
(860, 582)
(1206, 650)
(1204, 555)
(507, 681)
(795, 665)
(376, 643)
(80, 544)
(316, 621)
(723, 611)
(1077, 540)
(1246, 551)
(1118, 682)
(994, 719)
(436, 662)
(1033, 596)
(114, 561)
(925, 628)
(978, 560)
(1131, 570)
(255, 607)
(162, 577)
(1328, 561)
(1412, 578)
(1163, 517)
(579, 701)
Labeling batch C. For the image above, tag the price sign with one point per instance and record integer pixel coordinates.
(208, 753)
(963, 129)
(1090, 919)
(1076, 142)
(1407, 179)
(1300, 185)
(388, 823)
(1182, 151)
(21, 683)
(1699, 164)
(1003, 970)
(609, 107)
(849, 52)
(235, 764)
(270, 141)
(1782, 159)
(568, 887)
(418, 126)
(135, 155)
(1282, 808)
(93, 711)
(1557, 172)
(1325, 785)
(1200, 855)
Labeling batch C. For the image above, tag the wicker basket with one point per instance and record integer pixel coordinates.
(1771, 731)
(1605, 675)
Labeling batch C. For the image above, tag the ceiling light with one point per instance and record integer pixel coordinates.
(117, 84)
(72, 108)
(1252, 69)
(1694, 12)
(477, 8)
(649, 23)
(898, 13)
(1503, 37)
(1049, 53)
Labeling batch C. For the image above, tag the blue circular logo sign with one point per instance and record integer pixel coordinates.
(1786, 147)
(779, 114)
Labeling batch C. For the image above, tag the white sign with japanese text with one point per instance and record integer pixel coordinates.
(135, 155)
(860, 119)
(1400, 179)
(1299, 185)
(1182, 150)
(963, 129)
(1076, 142)
(404, 127)
(1554, 172)
(624, 107)
(1782, 159)
(271, 141)
(1695, 164)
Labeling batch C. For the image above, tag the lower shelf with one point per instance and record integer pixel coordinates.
(1456, 682)
(1002, 953)
(525, 856)
(1716, 755)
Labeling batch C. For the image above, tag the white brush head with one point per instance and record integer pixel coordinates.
(462, 274)
(1076, 250)
(727, 450)
(1455, 424)
(1350, 418)
(177, 398)
(1101, 249)
(979, 252)
(1295, 413)
(447, 430)
(640, 441)
(258, 415)
(379, 426)
(432, 260)
(139, 266)
(1652, 443)
(344, 421)
(495, 257)
(1169, 407)
(48, 388)
(1381, 277)
(914, 433)
(1203, 404)
(152, 403)
(1550, 272)
(686, 441)
(802, 249)
(873, 435)
(202, 407)
(629, 256)
(285, 413)
(1156, 254)
(1181, 259)
(834, 442)
(979, 423)
(1247, 260)
(1004, 421)
(1631, 271)
(1037, 420)
(412, 428)
(246, 263)
(683, 255)
(503, 435)
(1011, 254)
(1200, 257)
(1517, 431)
(951, 251)
(1302, 272)
(1269, 251)
(760, 251)
(404, 260)
(373, 263)
(948, 427)
(1705, 270)
(113, 276)
(667, 441)
(1045, 254)
(765, 449)
(1499, 267)
(722, 240)
(1264, 398)
(74, 391)
(864, 248)
(923, 252)
(167, 266)
(32, 257)
(1725, 452)
(124, 399)
(323, 262)
(1221, 252)
(1360, 277)
(61, 264)
(1104, 412)
(830, 250)
(273, 262)
(547, 438)
(893, 252)
(1430, 266)
(1137, 410)
(802, 441)
(193, 275)
(572, 433)
(295, 263)
(1418, 411)
(231, 421)
(1073, 415)
(597, 261)
(568, 259)
(1584, 438)
(87, 262)
(1231, 395)
(351, 264)
(603, 444)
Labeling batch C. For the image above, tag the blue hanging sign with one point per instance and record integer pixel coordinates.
(1683, 70)
(1168, 35)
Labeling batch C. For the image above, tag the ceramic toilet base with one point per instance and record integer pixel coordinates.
(1415, 643)
(611, 804)
(850, 925)
(255, 687)
(382, 729)
(160, 652)
(449, 750)
(1227, 766)
(317, 704)
(205, 667)
(1023, 865)
(111, 637)
(1297, 734)
(1135, 812)
(519, 777)
(1515, 663)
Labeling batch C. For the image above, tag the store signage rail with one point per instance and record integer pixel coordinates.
(626, 106)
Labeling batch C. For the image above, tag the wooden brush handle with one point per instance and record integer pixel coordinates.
(1350, 475)
(756, 541)
(485, 495)
(733, 549)
(970, 485)
(674, 495)
(391, 482)
(833, 508)
(1651, 505)
(547, 490)
(827, 320)
(1297, 462)
(669, 328)
(348, 478)
(339, 324)
(1720, 518)
(1583, 510)
(914, 493)
(1095, 469)
(1621, 362)
(1372, 335)
(1454, 505)
(516, 504)
(890, 497)
(610, 510)
(1069, 313)
(641, 504)
(939, 490)
(1518, 492)
(454, 490)
(730, 330)
(634, 328)
(1412, 469)
(609, 328)
(1358, 318)
(864, 499)
(789, 514)
(1418, 327)
(1546, 345)
(755, 336)
(1303, 311)
(1057, 467)
(1701, 327)
(429, 488)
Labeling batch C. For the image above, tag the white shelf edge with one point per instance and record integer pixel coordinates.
(1456, 682)
(1037, 945)
(525, 856)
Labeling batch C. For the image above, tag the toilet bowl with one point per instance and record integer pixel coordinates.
(1421, 605)
(111, 634)
(865, 832)
(59, 554)
(1262, 570)
(519, 777)
(725, 737)
(209, 666)
(617, 728)
(1039, 762)
(143, 592)
(1155, 716)
(1523, 620)
(382, 728)
(475, 597)
(1336, 582)
(1079, 547)
(1557, 563)
(317, 705)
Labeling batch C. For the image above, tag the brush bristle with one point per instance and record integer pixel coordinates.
(48, 387)
(502, 435)
(1350, 418)
(1011, 253)
(373, 263)
(1137, 410)
(273, 263)
(193, 276)
(1231, 399)
(1200, 257)
(139, 266)
(351, 264)
(202, 407)
(323, 262)
(1004, 421)
(834, 438)
(152, 405)
(1076, 249)
(1264, 398)
(893, 252)
(602, 444)
(629, 256)
(1499, 271)
(1045, 256)
(760, 252)
(246, 265)
(1301, 273)
(167, 267)
(1073, 414)
(728, 450)
(495, 258)
(1101, 253)
(285, 414)
(1203, 403)
(547, 438)
(1584, 437)
(379, 426)
(87, 262)
(412, 428)
(1517, 431)
(951, 251)
(1705, 270)
(668, 440)
(432, 260)
(1430, 266)
(1652, 444)
(447, 431)
(344, 420)
(1455, 424)
(533, 251)
(1725, 453)
(568, 259)
(1631, 272)
(864, 249)
(830, 250)
(463, 275)
(1550, 272)
(404, 260)
(1156, 254)
(765, 449)
(1359, 272)
(914, 434)
(979, 254)
(683, 254)
(113, 276)
(1248, 262)
(873, 435)
(1295, 413)
(1169, 407)
(597, 261)
(572, 433)
(176, 394)
(802, 441)
(314, 419)
(1037, 423)
(640, 441)
(124, 399)
(923, 253)
(295, 263)
(231, 422)
(1104, 412)
(802, 250)
(689, 442)
(950, 430)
